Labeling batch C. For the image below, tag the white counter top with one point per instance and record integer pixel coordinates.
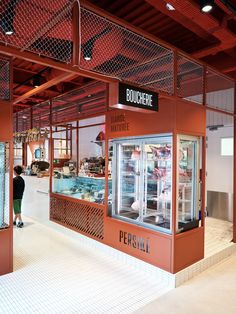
(36, 198)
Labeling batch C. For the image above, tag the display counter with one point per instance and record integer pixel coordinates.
(91, 189)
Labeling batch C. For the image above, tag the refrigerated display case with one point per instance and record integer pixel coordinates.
(4, 184)
(188, 202)
(142, 181)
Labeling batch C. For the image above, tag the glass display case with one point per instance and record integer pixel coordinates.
(4, 184)
(86, 188)
(188, 202)
(142, 181)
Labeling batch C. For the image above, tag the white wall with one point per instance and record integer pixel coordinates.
(87, 136)
(219, 168)
(87, 147)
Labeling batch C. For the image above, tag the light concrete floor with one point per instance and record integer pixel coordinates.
(212, 292)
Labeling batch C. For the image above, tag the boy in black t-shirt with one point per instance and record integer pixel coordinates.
(18, 190)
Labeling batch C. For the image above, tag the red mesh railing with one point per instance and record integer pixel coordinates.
(216, 119)
(40, 26)
(4, 79)
(24, 120)
(219, 91)
(113, 50)
(41, 115)
(189, 79)
(84, 101)
(88, 219)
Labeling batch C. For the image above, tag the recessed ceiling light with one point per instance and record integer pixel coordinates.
(206, 5)
(207, 8)
(9, 33)
(170, 7)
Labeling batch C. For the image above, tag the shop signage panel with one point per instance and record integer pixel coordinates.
(124, 96)
(137, 97)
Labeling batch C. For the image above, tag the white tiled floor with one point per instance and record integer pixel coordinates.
(56, 272)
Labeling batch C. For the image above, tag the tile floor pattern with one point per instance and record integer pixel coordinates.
(55, 274)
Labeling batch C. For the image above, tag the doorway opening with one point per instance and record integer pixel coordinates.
(219, 182)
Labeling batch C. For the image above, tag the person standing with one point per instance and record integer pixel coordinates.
(18, 191)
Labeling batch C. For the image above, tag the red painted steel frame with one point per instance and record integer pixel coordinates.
(234, 172)
(6, 135)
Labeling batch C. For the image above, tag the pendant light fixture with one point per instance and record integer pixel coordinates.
(87, 48)
(7, 20)
(37, 80)
(206, 5)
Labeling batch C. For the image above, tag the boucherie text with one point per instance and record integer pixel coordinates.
(139, 98)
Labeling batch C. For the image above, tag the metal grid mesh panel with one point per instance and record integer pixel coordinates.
(40, 26)
(4, 184)
(189, 80)
(216, 119)
(87, 100)
(23, 122)
(219, 91)
(85, 218)
(110, 49)
(40, 115)
(4, 79)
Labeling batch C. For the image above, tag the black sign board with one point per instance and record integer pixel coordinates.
(137, 97)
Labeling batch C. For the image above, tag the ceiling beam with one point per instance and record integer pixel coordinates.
(178, 17)
(189, 14)
(69, 68)
(224, 8)
(212, 50)
(54, 81)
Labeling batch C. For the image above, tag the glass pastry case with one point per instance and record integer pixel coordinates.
(4, 184)
(91, 189)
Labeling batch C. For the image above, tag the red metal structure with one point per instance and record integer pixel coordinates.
(72, 46)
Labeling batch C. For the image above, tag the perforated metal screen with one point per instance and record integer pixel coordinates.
(219, 91)
(113, 50)
(189, 79)
(4, 79)
(88, 219)
(43, 27)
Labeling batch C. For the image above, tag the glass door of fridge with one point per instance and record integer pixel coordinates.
(141, 181)
(187, 183)
(157, 164)
(127, 180)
